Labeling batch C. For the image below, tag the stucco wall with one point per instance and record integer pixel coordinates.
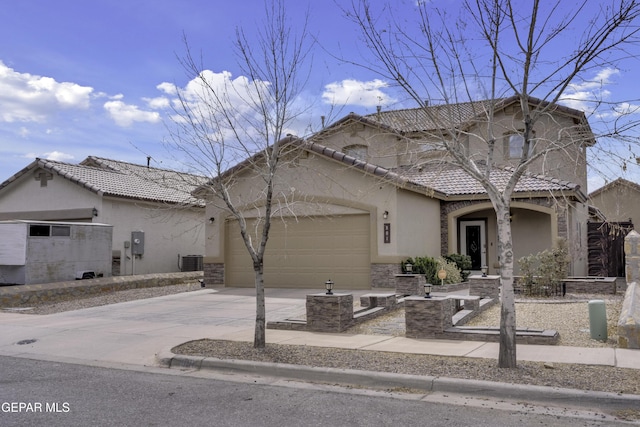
(418, 223)
(169, 231)
(316, 186)
(27, 194)
(619, 203)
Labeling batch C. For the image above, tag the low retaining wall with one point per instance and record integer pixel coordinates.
(430, 318)
(591, 285)
(24, 295)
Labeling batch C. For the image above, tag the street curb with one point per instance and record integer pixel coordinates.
(476, 388)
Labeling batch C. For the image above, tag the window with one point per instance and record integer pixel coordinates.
(513, 146)
(41, 230)
(61, 230)
(356, 151)
(36, 230)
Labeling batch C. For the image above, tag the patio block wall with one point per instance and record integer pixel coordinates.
(484, 287)
(25, 295)
(214, 273)
(329, 313)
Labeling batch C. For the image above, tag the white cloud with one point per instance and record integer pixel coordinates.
(59, 156)
(158, 103)
(211, 93)
(53, 155)
(168, 88)
(584, 96)
(355, 92)
(126, 114)
(593, 97)
(30, 98)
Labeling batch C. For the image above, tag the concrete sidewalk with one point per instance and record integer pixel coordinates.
(142, 332)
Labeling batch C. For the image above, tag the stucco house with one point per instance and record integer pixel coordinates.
(618, 201)
(618, 207)
(366, 192)
(156, 221)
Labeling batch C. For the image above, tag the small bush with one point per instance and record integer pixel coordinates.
(430, 267)
(542, 273)
(463, 262)
(453, 272)
(423, 265)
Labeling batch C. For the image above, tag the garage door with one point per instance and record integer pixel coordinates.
(305, 253)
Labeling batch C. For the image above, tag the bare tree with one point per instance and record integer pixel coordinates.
(496, 49)
(234, 130)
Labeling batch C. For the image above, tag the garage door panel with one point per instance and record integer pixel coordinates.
(305, 254)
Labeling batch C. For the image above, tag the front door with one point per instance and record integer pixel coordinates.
(473, 242)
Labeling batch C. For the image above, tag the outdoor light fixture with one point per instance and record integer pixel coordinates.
(427, 290)
(408, 268)
(211, 220)
(329, 286)
(484, 270)
(94, 212)
(385, 214)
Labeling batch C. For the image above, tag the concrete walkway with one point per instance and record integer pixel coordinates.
(133, 332)
(142, 332)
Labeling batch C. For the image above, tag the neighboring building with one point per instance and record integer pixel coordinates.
(33, 252)
(617, 205)
(618, 201)
(363, 194)
(147, 205)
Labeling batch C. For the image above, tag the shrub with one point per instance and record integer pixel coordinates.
(453, 272)
(542, 273)
(423, 265)
(463, 262)
(430, 267)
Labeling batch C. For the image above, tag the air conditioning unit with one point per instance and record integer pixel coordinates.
(192, 263)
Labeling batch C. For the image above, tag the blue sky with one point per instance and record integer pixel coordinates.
(80, 78)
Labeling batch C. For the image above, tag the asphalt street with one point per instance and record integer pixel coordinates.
(38, 393)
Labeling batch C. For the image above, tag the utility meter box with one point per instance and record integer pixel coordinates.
(137, 242)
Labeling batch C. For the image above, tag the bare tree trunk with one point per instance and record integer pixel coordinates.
(259, 339)
(507, 352)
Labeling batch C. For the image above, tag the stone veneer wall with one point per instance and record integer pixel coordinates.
(383, 275)
(484, 287)
(214, 273)
(591, 286)
(629, 321)
(21, 295)
(329, 313)
(427, 317)
(410, 284)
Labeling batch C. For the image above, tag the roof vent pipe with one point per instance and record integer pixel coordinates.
(148, 161)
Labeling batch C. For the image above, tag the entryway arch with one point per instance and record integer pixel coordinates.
(472, 230)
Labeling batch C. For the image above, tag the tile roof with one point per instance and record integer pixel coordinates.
(121, 179)
(453, 181)
(615, 183)
(431, 118)
(445, 180)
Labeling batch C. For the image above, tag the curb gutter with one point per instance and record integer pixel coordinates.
(385, 380)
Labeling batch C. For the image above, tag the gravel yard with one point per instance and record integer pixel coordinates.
(569, 317)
